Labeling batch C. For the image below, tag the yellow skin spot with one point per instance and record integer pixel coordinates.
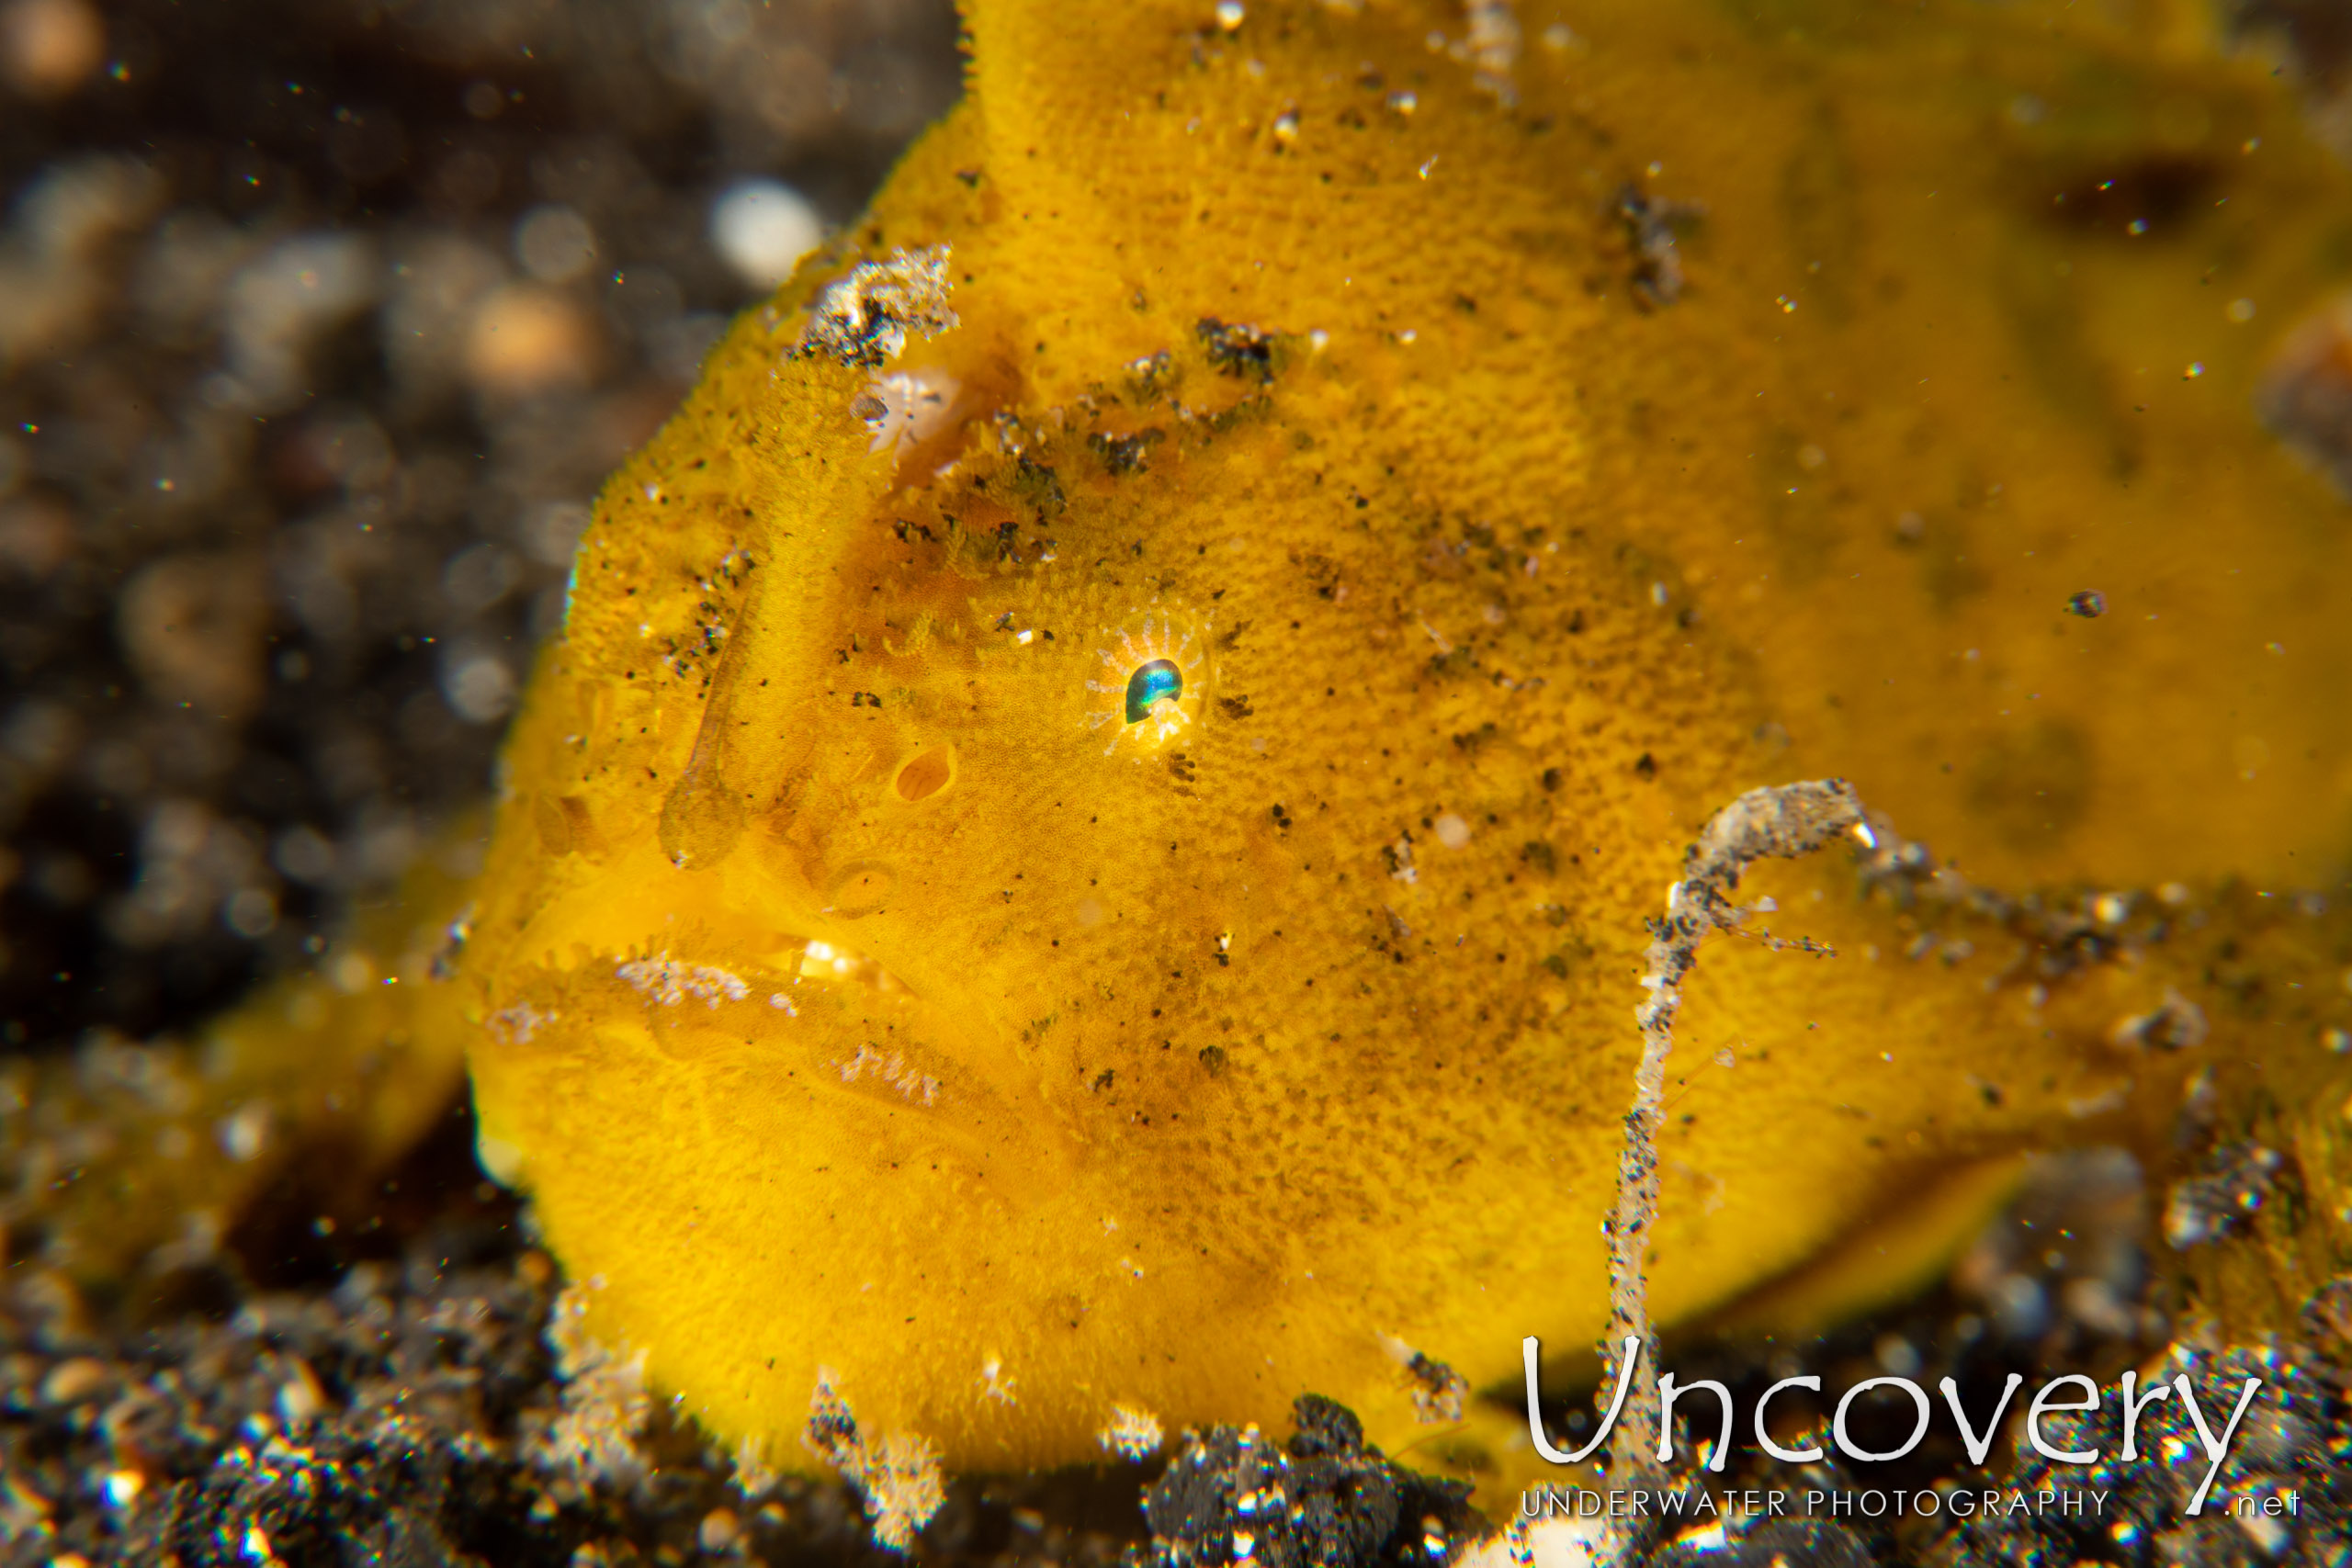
(846, 1000)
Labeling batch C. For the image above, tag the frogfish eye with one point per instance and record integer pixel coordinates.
(1151, 685)
(1151, 682)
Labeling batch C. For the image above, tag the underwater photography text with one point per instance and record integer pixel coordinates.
(2071, 1391)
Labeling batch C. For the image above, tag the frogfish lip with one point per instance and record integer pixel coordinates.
(888, 1061)
(786, 964)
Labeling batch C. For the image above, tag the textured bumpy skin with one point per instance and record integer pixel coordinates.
(857, 988)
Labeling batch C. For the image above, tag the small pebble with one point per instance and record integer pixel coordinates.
(47, 48)
(718, 1530)
(762, 228)
(75, 1379)
(525, 340)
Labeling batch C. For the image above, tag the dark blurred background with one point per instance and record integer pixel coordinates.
(319, 325)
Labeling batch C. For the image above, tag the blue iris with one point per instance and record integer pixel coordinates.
(1151, 682)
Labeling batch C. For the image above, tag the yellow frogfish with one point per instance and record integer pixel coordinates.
(1081, 860)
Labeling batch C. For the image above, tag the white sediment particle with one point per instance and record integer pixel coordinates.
(605, 1402)
(1134, 1433)
(1545, 1543)
(300, 1397)
(2083, 1107)
(753, 1478)
(1402, 853)
(866, 317)
(893, 1069)
(900, 1476)
(244, 1132)
(2175, 1023)
(2268, 1534)
(660, 980)
(1494, 47)
(996, 1383)
(516, 1024)
(1437, 1390)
